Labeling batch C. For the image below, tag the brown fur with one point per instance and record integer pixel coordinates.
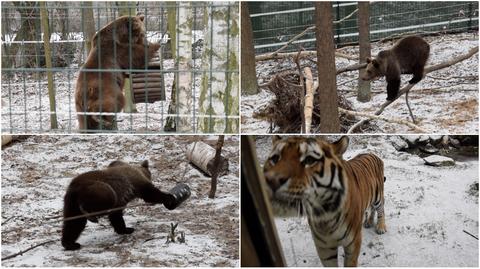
(408, 56)
(100, 91)
(310, 175)
(105, 189)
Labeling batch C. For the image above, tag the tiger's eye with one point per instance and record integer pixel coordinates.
(309, 161)
(274, 159)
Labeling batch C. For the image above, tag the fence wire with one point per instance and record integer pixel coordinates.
(275, 23)
(159, 102)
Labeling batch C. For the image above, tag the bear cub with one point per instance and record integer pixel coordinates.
(407, 56)
(105, 189)
(102, 91)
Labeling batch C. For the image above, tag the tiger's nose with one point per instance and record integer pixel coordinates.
(275, 182)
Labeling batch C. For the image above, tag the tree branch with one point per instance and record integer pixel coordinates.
(376, 117)
(407, 88)
(28, 249)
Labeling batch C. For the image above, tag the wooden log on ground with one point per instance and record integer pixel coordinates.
(202, 156)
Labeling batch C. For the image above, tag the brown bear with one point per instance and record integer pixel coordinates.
(106, 189)
(407, 56)
(118, 46)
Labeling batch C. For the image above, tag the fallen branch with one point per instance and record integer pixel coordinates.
(407, 88)
(376, 117)
(28, 249)
(301, 89)
(308, 99)
(352, 67)
(470, 234)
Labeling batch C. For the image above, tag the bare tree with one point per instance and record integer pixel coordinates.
(327, 81)
(218, 153)
(88, 25)
(364, 44)
(249, 76)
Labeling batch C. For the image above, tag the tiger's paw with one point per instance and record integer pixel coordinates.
(381, 228)
(367, 224)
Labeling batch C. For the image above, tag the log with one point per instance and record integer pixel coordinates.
(308, 99)
(202, 156)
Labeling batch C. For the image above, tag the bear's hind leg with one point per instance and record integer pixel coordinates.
(116, 219)
(417, 75)
(71, 231)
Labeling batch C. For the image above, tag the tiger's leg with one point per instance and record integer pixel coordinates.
(381, 227)
(369, 218)
(328, 256)
(353, 250)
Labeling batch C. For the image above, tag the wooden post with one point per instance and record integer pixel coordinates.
(48, 61)
(364, 44)
(218, 153)
(249, 75)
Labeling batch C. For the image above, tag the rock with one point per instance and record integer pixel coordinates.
(410, 139)
(398, 143)
(429, 148)
(424, 139)
(435, 138)
(437, 160)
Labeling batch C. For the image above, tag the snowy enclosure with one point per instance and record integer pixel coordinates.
(207, 105)
(445, 101)
(429, 211)
(36, 171)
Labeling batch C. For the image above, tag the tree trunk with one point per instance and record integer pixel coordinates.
(327, 90)
(184, 65)
(172, 32)
(48, 61)
(219, 96)
(364, 44)
(88, 25)
(126, 9)
(25, 55)
(249, 75)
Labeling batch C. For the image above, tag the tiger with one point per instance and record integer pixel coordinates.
(308, 176)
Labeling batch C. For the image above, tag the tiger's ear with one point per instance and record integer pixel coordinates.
(341, 145)
(275, 139)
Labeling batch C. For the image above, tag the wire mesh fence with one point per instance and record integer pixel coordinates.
(275, 23)
(129, 67)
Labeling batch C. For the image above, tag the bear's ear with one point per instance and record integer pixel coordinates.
(145, 164)
(141, 17)
(369, 60)
(375, 63)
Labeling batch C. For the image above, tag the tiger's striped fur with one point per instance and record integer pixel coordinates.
(309, 175)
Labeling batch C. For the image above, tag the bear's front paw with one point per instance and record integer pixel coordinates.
(155, 46)
(71, 246)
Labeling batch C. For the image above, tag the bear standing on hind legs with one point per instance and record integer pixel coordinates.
(101, 90)
(408, 56)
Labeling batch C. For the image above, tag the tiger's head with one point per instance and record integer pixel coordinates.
(306, 175)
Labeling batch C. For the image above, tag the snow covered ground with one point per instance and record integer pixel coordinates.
(427, 208)
(37, 170)
(445, 101)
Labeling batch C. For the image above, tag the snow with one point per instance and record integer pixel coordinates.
(37, 170)
(445, 101)
(439, 160)
(427, 208)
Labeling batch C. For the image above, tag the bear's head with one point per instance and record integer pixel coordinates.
(121, 31)
(373, 70)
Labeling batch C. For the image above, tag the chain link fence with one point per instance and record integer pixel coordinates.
(189, 86)
(275, 23)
